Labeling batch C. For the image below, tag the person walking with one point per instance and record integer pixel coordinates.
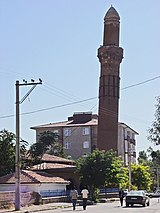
(74, 196)
(121, 196)
(85, 193)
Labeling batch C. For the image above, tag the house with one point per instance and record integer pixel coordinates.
(34, 181)
(60, 167)
(78, 136)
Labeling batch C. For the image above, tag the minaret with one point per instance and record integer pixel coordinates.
(110, 56)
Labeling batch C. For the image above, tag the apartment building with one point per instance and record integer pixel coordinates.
(78, 136)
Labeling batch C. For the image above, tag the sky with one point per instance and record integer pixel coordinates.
(57, 41)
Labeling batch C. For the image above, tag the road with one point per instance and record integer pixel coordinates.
(112, 207)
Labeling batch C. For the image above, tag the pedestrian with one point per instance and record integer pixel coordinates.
(121, 196)
(85, 193)
(74, 196)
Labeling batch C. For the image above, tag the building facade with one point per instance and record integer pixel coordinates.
(78, 136)
(110, 56)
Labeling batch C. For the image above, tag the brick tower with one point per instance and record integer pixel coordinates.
(110, 56)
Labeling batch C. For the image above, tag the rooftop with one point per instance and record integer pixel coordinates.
(44, 166)
(55, 159)
(27, 176)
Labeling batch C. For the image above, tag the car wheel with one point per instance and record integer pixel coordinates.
(144, 204)
(131, 205)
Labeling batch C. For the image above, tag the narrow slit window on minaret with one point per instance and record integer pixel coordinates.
(114, 89)
(109, 82)
(117, 86)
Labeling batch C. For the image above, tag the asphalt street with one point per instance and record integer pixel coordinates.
(112, 207)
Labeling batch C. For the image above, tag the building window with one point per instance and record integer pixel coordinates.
(85, 144)
(67, 145)
(56, 134)
(85, 131)
(67, 132)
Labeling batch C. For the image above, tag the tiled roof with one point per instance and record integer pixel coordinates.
(52, 166)
(67, 124)
(57, 124)
(27, 176)
(53, 158)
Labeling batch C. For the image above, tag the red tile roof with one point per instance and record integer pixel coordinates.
(92, 122)
(29, 177)
(53, 158)
(52, 166)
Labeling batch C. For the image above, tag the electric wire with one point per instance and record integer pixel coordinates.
(140, 83)
(80, 101)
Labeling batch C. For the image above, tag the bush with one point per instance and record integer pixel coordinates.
(95, 195)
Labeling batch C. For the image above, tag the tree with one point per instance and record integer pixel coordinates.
(151, 158)
(100, 169)
(155, 158)
(92, 169)
(144, 158)
(7, 150)
(154, 131)
(155, 168)
(116, 175)
(141, 177)
(47, 143)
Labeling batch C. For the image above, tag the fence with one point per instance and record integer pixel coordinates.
(54, 193)
(109, 190)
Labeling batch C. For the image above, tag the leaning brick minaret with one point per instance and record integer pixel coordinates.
(110, 56)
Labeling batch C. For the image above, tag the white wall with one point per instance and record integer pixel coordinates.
(33, 187)
(124, 145)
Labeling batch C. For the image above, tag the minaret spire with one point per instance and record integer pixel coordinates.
(110, 56)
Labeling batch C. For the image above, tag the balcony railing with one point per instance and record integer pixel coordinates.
(133, 141)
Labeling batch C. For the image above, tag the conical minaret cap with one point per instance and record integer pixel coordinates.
(112, 14)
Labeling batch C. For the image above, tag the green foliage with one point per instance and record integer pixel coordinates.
(92, 169)
(95, 196)
(116, 175)
(155, 167)
(144, 157)
(47, 143)
(7, 150)
(155, 158)
(141, 177)
(153, 161)
(154, 131)
(100, 169)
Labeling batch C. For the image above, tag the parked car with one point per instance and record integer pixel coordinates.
(137, 197)
(154, 194)
(125, 192)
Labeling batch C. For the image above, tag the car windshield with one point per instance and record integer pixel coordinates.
(136, 193)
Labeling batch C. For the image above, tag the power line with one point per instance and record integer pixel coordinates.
(58, 106)
(140, 83)
(77, 102)
(49, 108)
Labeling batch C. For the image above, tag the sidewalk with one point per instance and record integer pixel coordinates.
(38, 208)
(48, 206)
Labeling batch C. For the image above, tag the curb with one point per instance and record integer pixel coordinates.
(45, 207)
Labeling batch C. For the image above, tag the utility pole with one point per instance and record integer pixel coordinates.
(157, 179)
(17, 163)
(129, 165)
